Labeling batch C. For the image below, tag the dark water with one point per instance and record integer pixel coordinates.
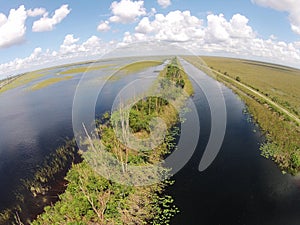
(34, 124)
(240, 187)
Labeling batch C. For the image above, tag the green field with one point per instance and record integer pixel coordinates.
(280, 83)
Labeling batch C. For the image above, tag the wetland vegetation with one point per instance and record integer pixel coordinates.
(134, 68)
(84, 69)
(139, 66)
(87, 197)
(22, 80)
(278, 83)
(47, 82)
(39, 188)
(90, 198)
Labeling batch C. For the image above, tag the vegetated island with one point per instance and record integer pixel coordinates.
(92, 199)
(272, 95)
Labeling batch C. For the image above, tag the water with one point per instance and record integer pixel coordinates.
(35, 123)
(240, 187)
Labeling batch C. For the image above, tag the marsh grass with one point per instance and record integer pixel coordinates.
(134, 68)
(139, 66)
(282, 135)
(48, 82)
(23, 80)
(84, 69)
(283, 140)
(26, 78)
(279, 83)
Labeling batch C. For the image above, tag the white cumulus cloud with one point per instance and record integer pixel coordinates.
(69, 44)
(103, 26)
(127, 11)
(215, 35)
(91, 45)
(175, 26)
(183, 27)
(219, 29)
(71, 50)
(26, 62)
(164, 3)
(231, 37)
(292, 7)
(48, 23)
(12, 28)
(36, 12)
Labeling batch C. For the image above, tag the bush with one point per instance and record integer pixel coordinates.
(295, 160)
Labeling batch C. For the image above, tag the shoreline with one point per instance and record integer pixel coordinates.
(158, 203)
(29, 202)
(280, 131)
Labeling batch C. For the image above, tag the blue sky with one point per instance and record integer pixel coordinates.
(259, 29)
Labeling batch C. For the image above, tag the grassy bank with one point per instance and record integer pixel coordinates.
(282, 134)
(279, 83)
(92, 199)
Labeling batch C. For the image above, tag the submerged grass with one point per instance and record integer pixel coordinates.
(48, 82)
